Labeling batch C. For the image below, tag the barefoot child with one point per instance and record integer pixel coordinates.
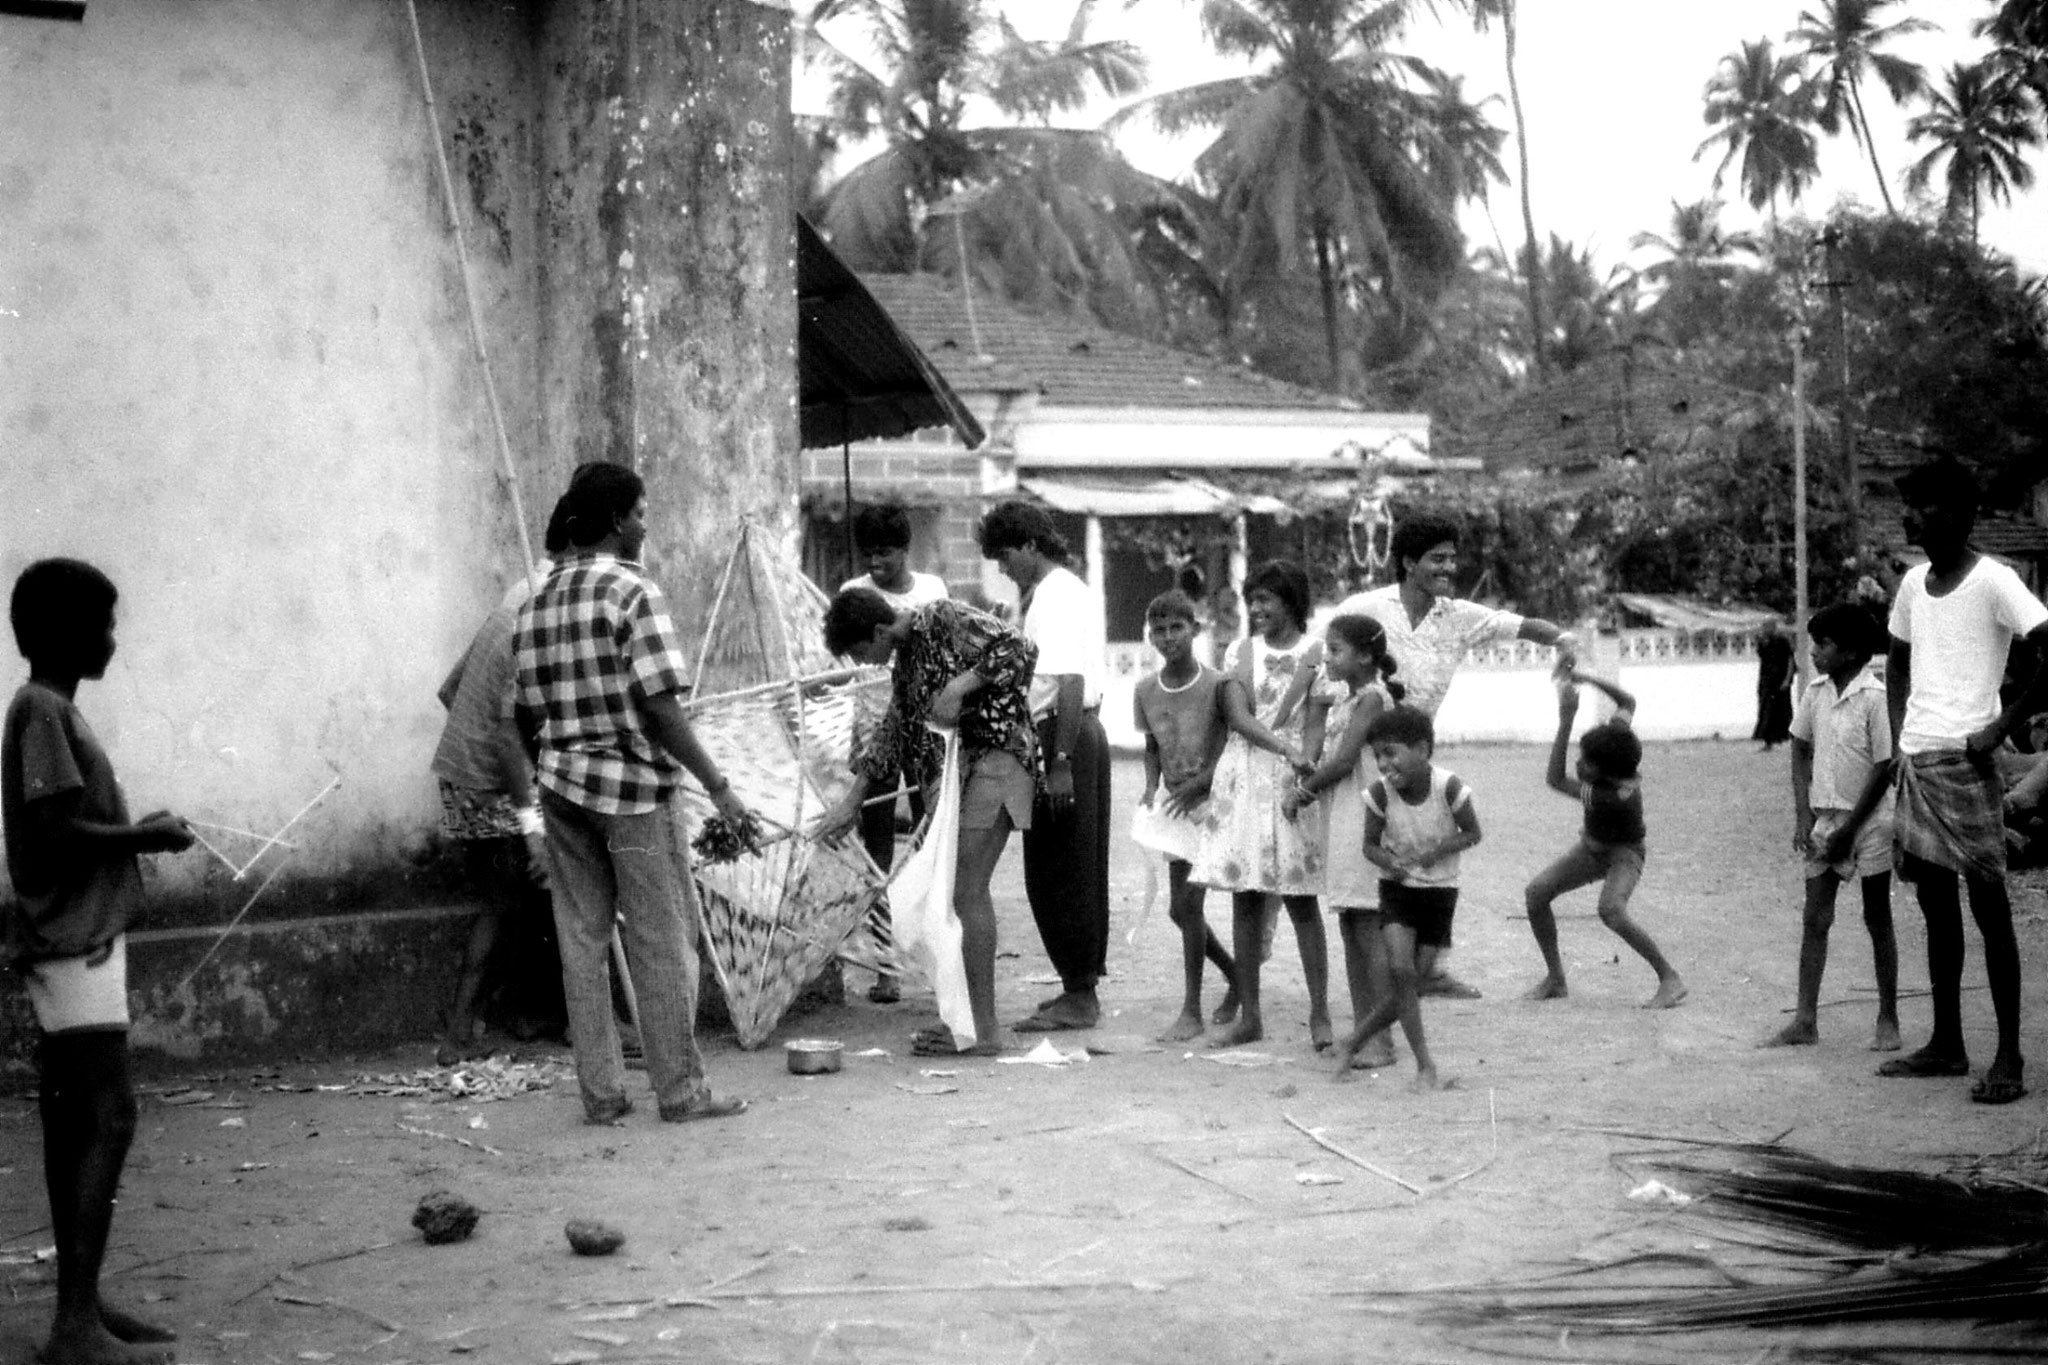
(1252, 850)
(1841, 794)
(1610, 846)
(71, 852)
(1356, 657)
(1418, 819)
(1179, 711)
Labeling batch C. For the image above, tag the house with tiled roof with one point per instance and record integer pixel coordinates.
(1099, 426)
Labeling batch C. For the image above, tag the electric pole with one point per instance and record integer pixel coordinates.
(1837, 284)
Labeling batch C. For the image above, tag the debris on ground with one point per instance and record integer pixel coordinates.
(489, 1078)
(445, 1216)
(588, 1237)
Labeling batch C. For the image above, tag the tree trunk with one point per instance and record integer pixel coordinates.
(1326, 273)
(1539, 325)
(669, 269)
(1863, 131)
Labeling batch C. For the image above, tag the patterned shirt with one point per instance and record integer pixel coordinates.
(1430, 651)
(593, 646)
(947, 639)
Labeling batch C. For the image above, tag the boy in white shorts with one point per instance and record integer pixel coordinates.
(71, 853)
(1842, 799)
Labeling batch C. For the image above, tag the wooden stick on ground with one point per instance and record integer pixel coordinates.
(1186, 1169)
(1493, 1148)
(1360, 1162)
(824, 1291)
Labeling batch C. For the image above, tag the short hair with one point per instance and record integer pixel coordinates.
(556, 539)
(1016, 525)
(853, 618)
(1613, 748)
(1402, 725)
(1369, 638)
(883, 526)
(59, 605)
(1287, 581)
(1172, 605)
(1945, 484)
(598, 496)
(1416, 536)
(1850, 627)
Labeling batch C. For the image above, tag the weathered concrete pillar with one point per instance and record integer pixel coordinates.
(668, 269)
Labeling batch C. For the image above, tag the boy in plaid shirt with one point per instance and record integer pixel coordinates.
(600, 673)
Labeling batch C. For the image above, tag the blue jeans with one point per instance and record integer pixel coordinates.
(632, 868)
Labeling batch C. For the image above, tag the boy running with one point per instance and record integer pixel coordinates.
(1842, 800)
(1418, 819)
(1610, 847)
(1179, 711)
(71, 851)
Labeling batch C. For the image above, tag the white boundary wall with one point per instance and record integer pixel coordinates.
(1686, 687)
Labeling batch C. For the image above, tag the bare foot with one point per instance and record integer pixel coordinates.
(1798, 1033)
(1549, 988)
(1244, 1031)
(1320, 1034)
(1426, 1080)
(1669, 993)
(1226, 1011)
(1188, 1026)
(127, 1327)
(91, 1343)
(1372, 1058)
(1886, 1036)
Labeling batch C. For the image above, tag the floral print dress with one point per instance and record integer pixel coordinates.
(1250, 845)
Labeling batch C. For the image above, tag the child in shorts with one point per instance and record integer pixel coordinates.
(1610, 845)
(71, 853)
(1842, 800)
(1179, 711)
(1418, 819)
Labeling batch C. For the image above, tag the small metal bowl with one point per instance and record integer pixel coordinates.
(813, 1056)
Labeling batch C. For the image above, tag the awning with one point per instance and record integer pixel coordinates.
(859, 378)
(1693, 616)
(1173, 497)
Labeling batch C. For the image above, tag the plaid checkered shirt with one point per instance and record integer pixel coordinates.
(594, 643)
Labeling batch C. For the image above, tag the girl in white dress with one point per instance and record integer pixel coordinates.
(1252, 849)
(1355, 658)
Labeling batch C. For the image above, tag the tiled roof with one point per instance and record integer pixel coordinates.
(1068, 362)
(1616, 406)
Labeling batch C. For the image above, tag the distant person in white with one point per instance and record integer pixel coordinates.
(881, 535)
(1429, 632)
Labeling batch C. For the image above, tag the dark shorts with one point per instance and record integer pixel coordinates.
(1426, 910)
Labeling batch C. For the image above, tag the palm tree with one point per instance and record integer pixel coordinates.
(1053, 199)
(1843, 40)
(1483, 13)
(1698, 261)
(1338, 156)
(1980, 126)
(1762, 109)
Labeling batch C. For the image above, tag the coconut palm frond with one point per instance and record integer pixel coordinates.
(1195, 106)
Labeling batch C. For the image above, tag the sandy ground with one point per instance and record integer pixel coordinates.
(1149, 1203)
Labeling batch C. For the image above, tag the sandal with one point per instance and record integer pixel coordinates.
(708, 1108)
(2001, 1084)
(933, 1042)
(1924, 1064)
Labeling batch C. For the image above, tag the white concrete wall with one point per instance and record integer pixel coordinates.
(1707, 698)
(234, 373)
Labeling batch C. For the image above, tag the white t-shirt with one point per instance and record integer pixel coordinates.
(1065, 622)
(924, 587)
(1959, 641)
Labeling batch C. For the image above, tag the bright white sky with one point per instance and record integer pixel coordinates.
(1613, 93)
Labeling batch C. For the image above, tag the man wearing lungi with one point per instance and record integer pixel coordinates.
(1952, 627)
